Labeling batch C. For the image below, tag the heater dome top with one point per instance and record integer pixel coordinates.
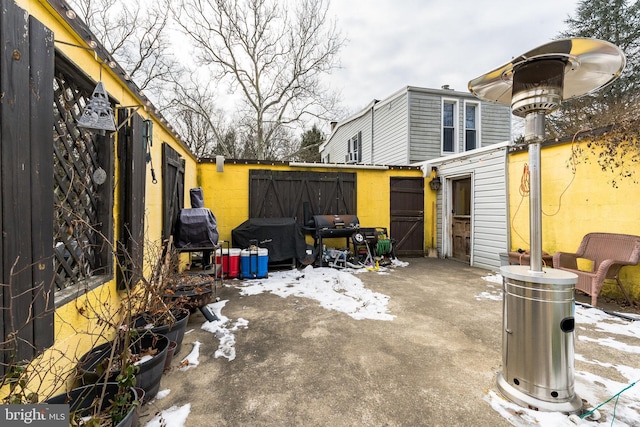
(590, 64)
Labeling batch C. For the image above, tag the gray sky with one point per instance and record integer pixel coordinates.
(430, 43)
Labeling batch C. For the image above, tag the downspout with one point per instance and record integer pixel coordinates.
(372, 161)
(408, 126)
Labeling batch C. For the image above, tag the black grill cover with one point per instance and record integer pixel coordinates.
(196, 227)
(197, 197)
(281, 236)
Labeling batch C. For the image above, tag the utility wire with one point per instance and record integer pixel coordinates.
(616, 396)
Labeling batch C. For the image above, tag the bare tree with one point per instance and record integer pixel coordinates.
(616, 21)
(136, 35)
(612, 111)
(199, 121)
(269, 54)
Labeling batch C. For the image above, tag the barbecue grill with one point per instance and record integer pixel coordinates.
(331, 226)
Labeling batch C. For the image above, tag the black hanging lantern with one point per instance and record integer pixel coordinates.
(435, 183)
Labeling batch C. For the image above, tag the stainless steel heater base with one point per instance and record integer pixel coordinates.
(573, 406)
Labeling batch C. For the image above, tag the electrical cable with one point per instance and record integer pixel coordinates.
(572, 162)
(525, 184)
(616, 396)
(524, 190)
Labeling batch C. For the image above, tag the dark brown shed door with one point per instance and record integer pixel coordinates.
(407, 215)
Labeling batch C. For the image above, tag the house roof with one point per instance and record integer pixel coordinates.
(427, 164)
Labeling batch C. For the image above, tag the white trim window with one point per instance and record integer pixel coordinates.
(449, 128)
(471, 126)
(354, 149)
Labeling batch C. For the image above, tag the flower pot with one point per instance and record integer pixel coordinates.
(141, 401)
(81, 401)
(170, 352)
(150, 368)
(192, 296)
(174, 331)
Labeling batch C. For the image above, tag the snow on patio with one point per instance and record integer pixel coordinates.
(340, 290)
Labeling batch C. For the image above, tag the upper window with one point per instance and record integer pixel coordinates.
(354, 149)
(449, 113)
(471, 126)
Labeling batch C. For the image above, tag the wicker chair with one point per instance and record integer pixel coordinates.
(608, 252)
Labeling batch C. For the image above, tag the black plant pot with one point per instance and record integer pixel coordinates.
(192, 296)
(150, 371)
(81, 399)
(174, 331)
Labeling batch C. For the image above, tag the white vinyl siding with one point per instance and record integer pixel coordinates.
(406, 127)
(337, 148)
(390, 131)
(424, 126)
(495, 123)
(489, 223)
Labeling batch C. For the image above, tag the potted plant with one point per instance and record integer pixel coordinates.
(140, 355)
(100, 404)
(104, 404)
(154, 311)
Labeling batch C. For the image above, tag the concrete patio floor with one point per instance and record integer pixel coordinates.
(299, 364)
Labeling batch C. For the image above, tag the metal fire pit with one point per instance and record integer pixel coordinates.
(538, 304)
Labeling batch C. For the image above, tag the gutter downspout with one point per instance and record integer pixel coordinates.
(408, 126)
(372, 160)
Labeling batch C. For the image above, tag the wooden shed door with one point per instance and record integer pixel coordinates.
(407, 215)
(173, 167)
(277, 194)
(461, 219)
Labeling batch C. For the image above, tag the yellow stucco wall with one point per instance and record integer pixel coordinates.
(76, 326)
(574, 204)
(227, 193)
(77, 323)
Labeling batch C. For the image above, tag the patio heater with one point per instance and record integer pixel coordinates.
(539, 303)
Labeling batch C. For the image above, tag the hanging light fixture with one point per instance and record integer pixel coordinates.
(435, 183)
(98, 114)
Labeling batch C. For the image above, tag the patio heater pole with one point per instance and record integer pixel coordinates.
(538, 303)
(534, 134)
